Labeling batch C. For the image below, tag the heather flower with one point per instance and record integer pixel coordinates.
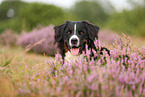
(26, 66)
(109, 37)
(117, 76)
(8, 38)
(39, 40)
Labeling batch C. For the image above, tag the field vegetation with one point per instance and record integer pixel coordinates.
(29, 74)
(30, 65)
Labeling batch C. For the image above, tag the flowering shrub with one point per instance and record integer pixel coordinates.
(118, 76)
(39, 40)
(107, 36)
(8, 38)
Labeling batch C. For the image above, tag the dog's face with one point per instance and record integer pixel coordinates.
(74, 35)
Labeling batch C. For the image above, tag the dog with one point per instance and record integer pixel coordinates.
(73, 36)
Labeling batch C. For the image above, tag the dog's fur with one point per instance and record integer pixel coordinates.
(74, 35)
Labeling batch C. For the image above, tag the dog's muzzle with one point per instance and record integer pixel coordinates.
(74, 41)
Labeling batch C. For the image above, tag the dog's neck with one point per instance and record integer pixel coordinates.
(69, 57)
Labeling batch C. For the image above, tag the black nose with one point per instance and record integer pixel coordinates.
(74, 41)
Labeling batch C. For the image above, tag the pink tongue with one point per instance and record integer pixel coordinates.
(74, 51)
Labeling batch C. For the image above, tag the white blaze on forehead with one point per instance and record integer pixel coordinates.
(75, 28)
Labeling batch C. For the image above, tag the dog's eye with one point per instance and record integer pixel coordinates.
(81, 32)
(68, 32)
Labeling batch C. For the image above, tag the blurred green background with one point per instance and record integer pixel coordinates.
(23, 16)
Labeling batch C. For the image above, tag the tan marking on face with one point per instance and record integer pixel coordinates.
(65, 48)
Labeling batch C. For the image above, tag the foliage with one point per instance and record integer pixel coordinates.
(115, 77)
(39, 40)
(29, 15)
(5, 6)
(92, 11)
(129, 21)
(10, 22)
(36, 13)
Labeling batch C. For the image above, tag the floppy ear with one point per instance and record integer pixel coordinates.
(58, 32)
(92, 30)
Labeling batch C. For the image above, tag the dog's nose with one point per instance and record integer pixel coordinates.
(74, 41)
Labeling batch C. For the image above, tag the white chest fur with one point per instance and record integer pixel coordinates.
(69, 57)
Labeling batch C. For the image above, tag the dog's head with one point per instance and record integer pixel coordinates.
(73, 35)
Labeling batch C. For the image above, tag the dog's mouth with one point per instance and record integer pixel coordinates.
(75, 50)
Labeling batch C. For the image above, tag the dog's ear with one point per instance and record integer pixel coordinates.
(59, 31)
(92, 30)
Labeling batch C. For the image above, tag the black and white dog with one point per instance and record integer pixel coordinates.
(72, 36)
